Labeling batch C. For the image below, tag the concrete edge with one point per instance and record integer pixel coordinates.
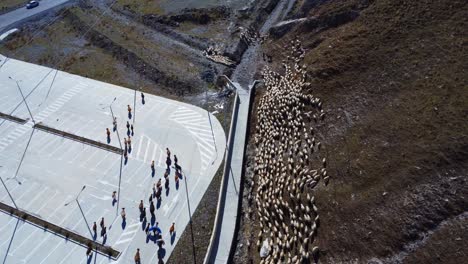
(222, 191)
(241, 189)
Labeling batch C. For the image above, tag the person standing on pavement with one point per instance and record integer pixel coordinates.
(104, 231)
(147, 229)
(152, 209)
(89, 251)
(143, 214)
(158, 184)
(168, 162)
(102, 222)
(140, 206)
(95, 228)
(172, 229)
(137, 257)
(166, 183)
(114, 124)
(176, 178)
(123, 214)
(161, 242)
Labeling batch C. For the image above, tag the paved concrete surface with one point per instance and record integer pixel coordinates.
(21, 14)
(54, 169)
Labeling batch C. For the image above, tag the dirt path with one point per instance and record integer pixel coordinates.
(246, 69)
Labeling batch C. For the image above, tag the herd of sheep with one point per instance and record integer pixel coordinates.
(287, 165)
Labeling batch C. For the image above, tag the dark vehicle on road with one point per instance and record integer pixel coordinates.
(32, 4)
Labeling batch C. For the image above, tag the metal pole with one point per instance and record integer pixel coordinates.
(24, 99)
(22, 157)
(190, 217)
(134, 106)
(51, 84)
(118, 136)
(84, 217)
(81, 210)
(9, 194)
(120, 180)
(121, 160)
(76, 198)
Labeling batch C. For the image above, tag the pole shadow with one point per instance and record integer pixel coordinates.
(11, 240)
(190, 222)
(173, 236)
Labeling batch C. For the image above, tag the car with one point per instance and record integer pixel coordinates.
(32, 4)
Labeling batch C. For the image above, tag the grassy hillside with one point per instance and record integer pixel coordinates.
(392, 75)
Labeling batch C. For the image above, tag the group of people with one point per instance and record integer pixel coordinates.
(103, 229)
(150, 229)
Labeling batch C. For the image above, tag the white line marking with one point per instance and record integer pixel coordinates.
(146, 151)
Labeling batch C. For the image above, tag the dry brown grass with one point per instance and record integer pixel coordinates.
(393, 83)
(7, 5)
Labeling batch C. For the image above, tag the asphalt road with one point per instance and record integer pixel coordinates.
(12, 18)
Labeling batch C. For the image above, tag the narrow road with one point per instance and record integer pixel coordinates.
(10, 19)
